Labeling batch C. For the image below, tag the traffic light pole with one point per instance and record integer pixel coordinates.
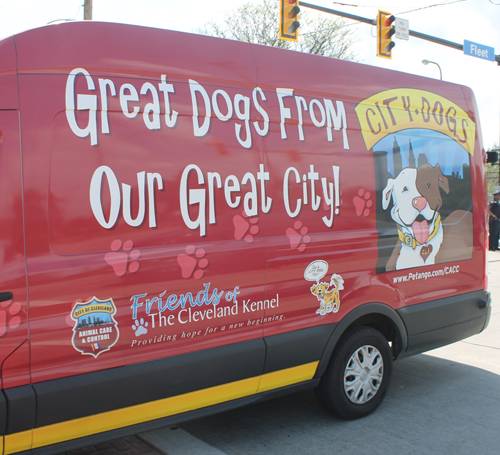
(423, 36)
(340, 13)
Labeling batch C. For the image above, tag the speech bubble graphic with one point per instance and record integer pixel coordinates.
(316, 270)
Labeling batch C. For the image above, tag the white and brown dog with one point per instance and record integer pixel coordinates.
(416, 195)
(329, 298)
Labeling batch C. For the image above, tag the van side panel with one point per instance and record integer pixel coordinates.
(303, 150)
(13, 295)
(8, 76)
(205, 219)
(167, 286)
(14, 347)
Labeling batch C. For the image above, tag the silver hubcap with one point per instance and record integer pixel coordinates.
(363, 374)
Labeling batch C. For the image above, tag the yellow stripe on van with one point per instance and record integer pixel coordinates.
(286, 377)
(112, 420)
(18, 442)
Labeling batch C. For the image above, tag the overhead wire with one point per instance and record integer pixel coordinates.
(410, 11)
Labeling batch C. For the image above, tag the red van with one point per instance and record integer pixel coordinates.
(191, 224)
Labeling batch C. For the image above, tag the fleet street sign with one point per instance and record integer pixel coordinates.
(479, 50)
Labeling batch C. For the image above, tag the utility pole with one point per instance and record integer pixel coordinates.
(87, 10)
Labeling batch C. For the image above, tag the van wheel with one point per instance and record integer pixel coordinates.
(358, 375)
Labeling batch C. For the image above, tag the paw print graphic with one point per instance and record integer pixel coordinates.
(362, 203)
(297, 236)
(9, 316)
(123, 257)
(139, 327)
(245, 228)
(193, 262)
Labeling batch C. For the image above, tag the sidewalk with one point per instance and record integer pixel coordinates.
(493, 262)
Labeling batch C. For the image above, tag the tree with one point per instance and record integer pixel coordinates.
(259, 22)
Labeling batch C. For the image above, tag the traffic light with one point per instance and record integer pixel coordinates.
(289, 19)
(385, 31)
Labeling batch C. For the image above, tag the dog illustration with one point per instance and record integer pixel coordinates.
(417, 200)
(329, 298)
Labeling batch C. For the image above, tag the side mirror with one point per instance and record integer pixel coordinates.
(492, 157)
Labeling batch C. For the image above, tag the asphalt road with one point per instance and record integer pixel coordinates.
(446, 401)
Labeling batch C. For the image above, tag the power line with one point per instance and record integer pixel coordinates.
(432, 6)
(410, 11)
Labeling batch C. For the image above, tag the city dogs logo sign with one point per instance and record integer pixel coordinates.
(95, 329)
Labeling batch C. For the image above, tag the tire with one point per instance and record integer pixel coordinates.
(358, 375)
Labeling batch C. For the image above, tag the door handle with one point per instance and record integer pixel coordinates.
(4, 296)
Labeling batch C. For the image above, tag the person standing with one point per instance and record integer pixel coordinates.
(494, 223)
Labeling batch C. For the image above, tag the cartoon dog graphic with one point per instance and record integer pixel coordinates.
(417, 200)
(329, 298)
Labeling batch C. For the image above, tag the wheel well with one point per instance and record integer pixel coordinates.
(378, 316)
(385, 326)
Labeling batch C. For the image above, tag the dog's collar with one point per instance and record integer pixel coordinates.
(409, 240)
